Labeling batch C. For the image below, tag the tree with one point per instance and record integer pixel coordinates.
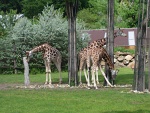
(71, 7)
(31, 8)
(95, 14)
(126, 13)
(110, 38)
(7, 5)
(7, 22)
(141, 45)
(50, 27)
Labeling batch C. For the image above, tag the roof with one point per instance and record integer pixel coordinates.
(119, 41)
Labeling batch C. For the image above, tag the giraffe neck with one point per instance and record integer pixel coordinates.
(38, 49)
(107, 59)
(98, 43)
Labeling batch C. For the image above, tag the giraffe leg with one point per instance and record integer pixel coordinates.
(89, 71)
(105, 77)
(93, 75)
(58, 65)
(81, 65)
(49, 74)
(80, 77)
(88, 81)
(85, 74)
(97, 80)
(46, 81)
(46, 72)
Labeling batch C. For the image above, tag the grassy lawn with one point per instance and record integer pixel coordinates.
(71, 100)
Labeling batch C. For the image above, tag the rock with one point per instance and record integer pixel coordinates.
(120, 58)
(125, 62)
(131, 65)
(128, 57)
(115, 60)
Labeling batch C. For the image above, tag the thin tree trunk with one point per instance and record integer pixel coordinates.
(110, 39)
(71, 8)
(139, 75)
(148, 45)
(14, 59)
(134, 86)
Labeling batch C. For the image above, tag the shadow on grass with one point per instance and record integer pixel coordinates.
(124, 79)
(137, 111)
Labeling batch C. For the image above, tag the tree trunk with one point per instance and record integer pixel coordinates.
(14, 59)
(148, 45)
(71, 9)
(110, 37)
(139, 70)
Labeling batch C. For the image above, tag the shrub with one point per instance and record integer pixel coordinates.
(50, 27)
(122, 49)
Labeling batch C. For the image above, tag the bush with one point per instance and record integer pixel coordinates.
(50, 27)
(122, 49)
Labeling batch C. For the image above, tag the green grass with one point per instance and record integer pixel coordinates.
(71, 100)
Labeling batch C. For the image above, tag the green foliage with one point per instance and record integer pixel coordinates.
(32, 8)
(122, 49)
(127, 14)
(93, 12)
(95, 15)
(6, 5)
(50, 27)
(7, 21)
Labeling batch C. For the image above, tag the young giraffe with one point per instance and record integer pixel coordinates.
(96, 58)
(49, 54)
(83, 55)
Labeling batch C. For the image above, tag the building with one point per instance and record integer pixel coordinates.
(128, 42)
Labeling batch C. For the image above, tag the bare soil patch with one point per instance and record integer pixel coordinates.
(7, 86)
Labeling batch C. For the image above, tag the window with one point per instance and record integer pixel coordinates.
(131, 38)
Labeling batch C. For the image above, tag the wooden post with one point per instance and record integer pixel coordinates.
(26, 72)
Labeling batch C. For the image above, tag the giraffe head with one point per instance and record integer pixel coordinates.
(120, 33)
(28, 55)
(114, 73)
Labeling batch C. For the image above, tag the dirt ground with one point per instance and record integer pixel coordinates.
(7, 86)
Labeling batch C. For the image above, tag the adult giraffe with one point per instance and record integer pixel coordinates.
(84, 54)
(96, 57)
(49, 54)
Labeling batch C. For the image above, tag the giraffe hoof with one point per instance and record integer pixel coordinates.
(88, 88)
(80, 84)
(46, 83)
(96, 88)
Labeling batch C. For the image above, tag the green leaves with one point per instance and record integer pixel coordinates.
(50, 27)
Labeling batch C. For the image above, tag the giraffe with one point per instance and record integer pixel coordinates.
(83, 55)
(96, 57)
(49, 54)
